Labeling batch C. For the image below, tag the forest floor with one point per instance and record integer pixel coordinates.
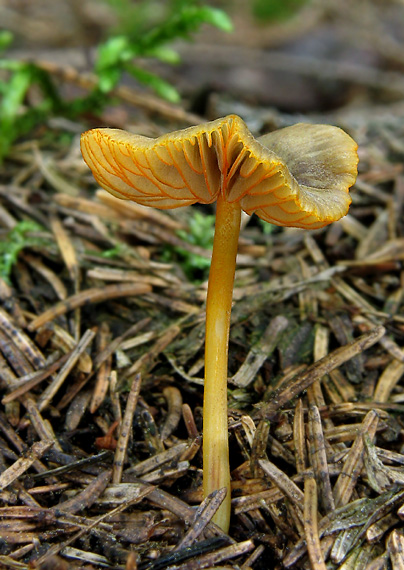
(102, 325)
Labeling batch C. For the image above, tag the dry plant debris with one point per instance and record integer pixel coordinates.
(101, 366)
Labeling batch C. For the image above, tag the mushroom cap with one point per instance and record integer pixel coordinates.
(298, 176)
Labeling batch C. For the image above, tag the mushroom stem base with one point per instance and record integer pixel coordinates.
(216, 469)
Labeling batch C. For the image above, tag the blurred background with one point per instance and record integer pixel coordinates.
(296, 56)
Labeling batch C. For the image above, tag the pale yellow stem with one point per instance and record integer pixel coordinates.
(216, 469)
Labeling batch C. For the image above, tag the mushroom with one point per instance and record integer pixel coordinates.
(297, 176)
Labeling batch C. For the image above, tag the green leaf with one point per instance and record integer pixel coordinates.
(6, 39)
(108, 79)
(160, 86)
(16, 240)
(267, 228)
(165, 54)
(112, 57)
(15, 93)
(216, 17)
(114, 51)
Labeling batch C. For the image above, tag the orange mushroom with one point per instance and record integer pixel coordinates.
(298, 176)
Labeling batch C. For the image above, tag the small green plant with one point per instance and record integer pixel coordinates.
(16, 79)
(180, 19)
(266, 228)
(201, 232)
(16, 240)
(119, 54)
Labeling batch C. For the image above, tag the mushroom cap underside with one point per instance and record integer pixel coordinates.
(298, 176)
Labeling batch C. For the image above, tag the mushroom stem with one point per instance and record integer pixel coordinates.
(216, 469)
